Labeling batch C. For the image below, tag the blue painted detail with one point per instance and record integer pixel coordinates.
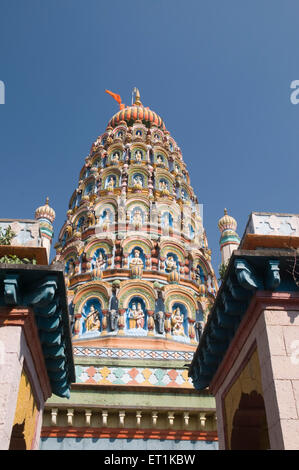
(224, 320)
(86, 310)
(57, 376)
(55, 364)
(272, 275)
(122, 445)
(216, 347)
(11, 289)
(246, 276)
(55, 351)
(42, 294)
(231, 306)
(48, 324)
(43, 289)
(237, 292)
(209, 359)
(50, 310)
(62, 391)
(51, 338)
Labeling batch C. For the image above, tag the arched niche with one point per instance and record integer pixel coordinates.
(137, 253)
(171, 262)
(111, 182)
(138, 215)
(167, 220)
(143, 289)
(106, 216)
(179, 319)
(99, 259)
(250, 428)
(79, 223)
(138, 155)
(144, 245)
(136, 317)
(89, 188)
(180, 295)
(105, 247)
(69, 268)
(138, 180)
(91, 317)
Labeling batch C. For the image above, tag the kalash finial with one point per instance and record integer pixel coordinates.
(137, 97)
(45, 212)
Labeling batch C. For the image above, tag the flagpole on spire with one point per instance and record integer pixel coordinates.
(133, 92)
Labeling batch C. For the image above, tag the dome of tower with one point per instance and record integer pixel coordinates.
(138, 112)
(227, 222)
(45, 212)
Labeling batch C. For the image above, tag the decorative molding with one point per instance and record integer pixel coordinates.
(122, 433)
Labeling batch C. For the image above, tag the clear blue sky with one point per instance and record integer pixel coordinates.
(218, 72)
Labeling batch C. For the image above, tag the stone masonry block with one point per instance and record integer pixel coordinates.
(290, 431)
(282, 317)
(286, 399)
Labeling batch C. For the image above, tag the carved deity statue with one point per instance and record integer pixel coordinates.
(183, 196)
(113, 318)
(137, 180)
(139, 316)
(136, 264)
(159, 318)
(170, 264)
(92, 321)
(163, 186)
(105, 222)
(198, 329)
(137, 219)
(115, 158)
(138, 156)
(71, 270)
(160, 160)
(136, 316)
(177, 320)
(100, 262)
(110, 185)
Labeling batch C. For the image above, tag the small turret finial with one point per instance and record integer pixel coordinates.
(47, 200)
(225, 211)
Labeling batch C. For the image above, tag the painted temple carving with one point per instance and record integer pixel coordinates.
(134, 248)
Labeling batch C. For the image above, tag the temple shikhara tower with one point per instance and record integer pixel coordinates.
(140, 287)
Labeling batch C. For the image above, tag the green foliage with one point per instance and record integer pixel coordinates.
(14, 259)
(6, 235)
(222, 270)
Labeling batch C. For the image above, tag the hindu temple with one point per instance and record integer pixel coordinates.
(140, 287)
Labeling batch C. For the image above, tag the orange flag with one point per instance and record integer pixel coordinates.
(117, 98)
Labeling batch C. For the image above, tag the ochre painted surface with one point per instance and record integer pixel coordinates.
(249, 380)
(26, 410)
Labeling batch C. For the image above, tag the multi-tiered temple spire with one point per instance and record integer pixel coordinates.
(133, 244)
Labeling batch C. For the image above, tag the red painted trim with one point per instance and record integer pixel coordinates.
(119, 433)
(263, 300)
